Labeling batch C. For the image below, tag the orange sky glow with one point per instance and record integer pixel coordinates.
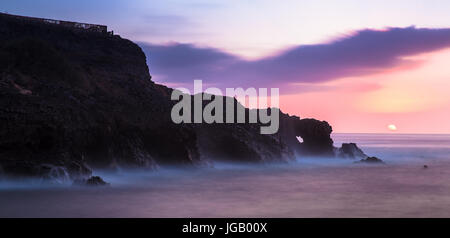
(415, 99)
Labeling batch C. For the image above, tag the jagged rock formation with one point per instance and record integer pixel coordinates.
(73, 100)
(316, 137)
(351, 150)
(371, 160)
(82, 97)
(243, 142)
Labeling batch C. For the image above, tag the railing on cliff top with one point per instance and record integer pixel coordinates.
(75, 25)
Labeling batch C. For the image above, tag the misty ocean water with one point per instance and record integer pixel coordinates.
(308, 187)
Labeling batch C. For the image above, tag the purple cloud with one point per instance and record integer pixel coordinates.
(362, 53)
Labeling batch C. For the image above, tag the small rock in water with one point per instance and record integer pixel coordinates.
(92, 181)
(351, 150)
(371, 160)
(425, 166)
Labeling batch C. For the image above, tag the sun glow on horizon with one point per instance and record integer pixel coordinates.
(392, 127)
(415, 97)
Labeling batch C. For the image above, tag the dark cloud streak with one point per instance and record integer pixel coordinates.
(362, 53)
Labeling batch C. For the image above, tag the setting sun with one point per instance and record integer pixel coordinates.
(392, 127)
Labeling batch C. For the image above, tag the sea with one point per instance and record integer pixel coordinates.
(306, 187)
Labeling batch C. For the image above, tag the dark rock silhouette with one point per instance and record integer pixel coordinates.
(75, 100)
(244, 142)
(94, 181)
(81, 97)
(373, 160)
(351, 150)
(316, 137)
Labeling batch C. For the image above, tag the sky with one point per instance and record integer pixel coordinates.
(360, 65)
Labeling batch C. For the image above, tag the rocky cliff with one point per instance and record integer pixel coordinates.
(75, 100)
